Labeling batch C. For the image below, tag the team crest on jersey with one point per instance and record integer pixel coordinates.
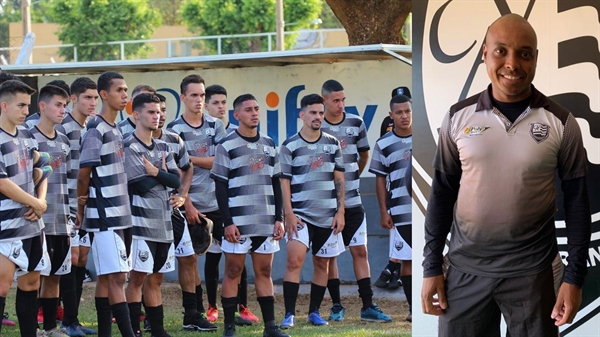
(201, 148)
(16, 253)
(242, 240)
(398, 245)
(538, 131)
(350, 132)
(144, 255)
(123, 254)
(316, 162)
(475, 130)
(257, 163)
(327, 149)
(64, 148)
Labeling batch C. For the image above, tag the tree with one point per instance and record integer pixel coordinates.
(89, 21)
(169, 10)
(10, 11)
(372, 21)
(227, 17)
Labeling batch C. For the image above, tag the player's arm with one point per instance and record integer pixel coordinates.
(382, 196)
(363, 159)
(14, 192)
(340, 194)
(291, 220)
(231, 232)
(203, 162)
(277, 194)
(186, 180)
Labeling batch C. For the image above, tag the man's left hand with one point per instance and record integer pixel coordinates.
(338, 222)
(567, 304)
(278, 231)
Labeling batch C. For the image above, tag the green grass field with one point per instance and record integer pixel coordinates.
(350, 327)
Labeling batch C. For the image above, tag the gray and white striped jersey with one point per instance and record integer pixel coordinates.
(201, 142)
(310, 167)
(352, 134)
(73, 131)
(16, 164)
(56, 217)
(150, 211)
(392, 158)
(126, 127)
(108, 202)
(177, 148)
(248, 165)
(230, 127)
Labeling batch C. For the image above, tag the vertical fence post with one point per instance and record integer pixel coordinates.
(169, 53)
(75, 53)
(269, 36)
(219, 45)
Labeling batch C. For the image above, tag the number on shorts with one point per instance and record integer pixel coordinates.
(323, 251)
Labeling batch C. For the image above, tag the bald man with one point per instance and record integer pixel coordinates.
(493, 190)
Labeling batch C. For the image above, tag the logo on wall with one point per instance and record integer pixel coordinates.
(444, 51)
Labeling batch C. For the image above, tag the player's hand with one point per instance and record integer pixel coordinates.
(191, 213)
(431, 304)
(82, 200)
(176, 201)
(30, 215)
(339, 222)
(291, 225)
(386, 221)
(232, 234)
(150, 169)
(78, 220)
(39, 207)
(278, 231)
(567, 304)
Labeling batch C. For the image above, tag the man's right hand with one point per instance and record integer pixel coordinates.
(431, 304)
(386, 221)
(291, 225)
(191, 214)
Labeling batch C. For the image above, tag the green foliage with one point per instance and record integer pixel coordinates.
(169, 10)
(91, 21)
(228, 17)
(329, 19)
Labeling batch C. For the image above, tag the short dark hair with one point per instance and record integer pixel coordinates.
(13, 87)
(142, 87)
(141, 99)
(81, 85)
(4, 76)
(61, 84)
(194, 78)
(241, 99)
(399, 99)
(215, 89)
(331, 86)
(310, 100)
(161, 97)
(49, 91)
(105, 80)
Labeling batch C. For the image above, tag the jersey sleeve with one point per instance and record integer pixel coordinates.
(183, 159)
(378, 165)
(285, 162)
(362, 144)
(221, 164)
(134, 164)
(220, 132)
(572, 162)
(447, 159)
(91, 144)
(339, 158)
(276, 164)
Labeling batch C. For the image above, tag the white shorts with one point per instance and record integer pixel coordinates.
(332, 247)
(110, 253)
(152, 257)
(85, 240)
(73, 233)
(254, 244)
(22, 254)
(360, 236)
(399, 249)
(184, 247)
(215, 247)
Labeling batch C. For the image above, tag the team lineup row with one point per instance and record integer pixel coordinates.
(144, 196)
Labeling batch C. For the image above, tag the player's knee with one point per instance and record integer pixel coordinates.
(188, 262)
(359, 252)
(263, 271)
(82, 259)
(321, 264)
(294, 262)
(233, 271)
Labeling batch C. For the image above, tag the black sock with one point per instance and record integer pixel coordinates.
(156, 317)
(135, 311)
(69, 296)
(317, 293)
(365, 292)
(267, 306)
(229, 305)
(121, 313)
(407, 284)
(243, 289)
(211, 275)
(104, 315)
(189, 304)
(49, 308)
(79, 277)
(394, 266)
(199, 305)
(333, 285)
(27, 311)
(2, 305)
(290, 294)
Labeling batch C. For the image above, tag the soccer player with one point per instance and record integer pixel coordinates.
(33, 119)
(22, 246)
(52, 101)
(312, 182)
(127, 125)
(246, 173)
(201, 133)
(351, 132)
(392, 162)
(102, 179)
(151, 174)
(216, 105)
(84, 95)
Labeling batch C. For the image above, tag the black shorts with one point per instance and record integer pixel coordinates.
(353, 218)
(179, 223)
(318, 236)
(58, 247)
